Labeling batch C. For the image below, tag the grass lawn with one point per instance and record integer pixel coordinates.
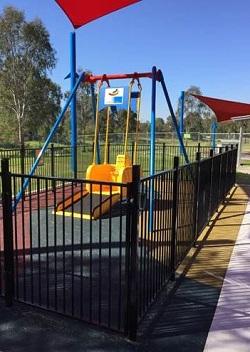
(243, 178)
(61, 168)
(62, 160)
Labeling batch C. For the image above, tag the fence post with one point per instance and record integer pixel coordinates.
(240, 142)
(219, 188)
(92, 151)
(235, 164)
(196, 192)
(7, 232)
(131, 255)
(199, 148)
(230, 166)
(132, 260)
(174, 217)
(108, 156)
(163, 156)
(226, 183)
(22, 155)
(52, 149)
(133, 152)
(211, 155)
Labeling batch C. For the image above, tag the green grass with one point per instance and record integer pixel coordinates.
(245, 162)
(62, 161)
(243, 178)
(36, 144)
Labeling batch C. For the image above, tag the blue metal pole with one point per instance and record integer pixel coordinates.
(152, 124)
(214, 127)
(98, 155)
(165, 91)
(181, 116)
(73, 118)
(152, 148)
(50, 136)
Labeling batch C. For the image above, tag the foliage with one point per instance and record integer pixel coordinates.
(29, 99)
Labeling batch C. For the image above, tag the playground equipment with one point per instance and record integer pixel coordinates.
(97, 199)
(119, 172)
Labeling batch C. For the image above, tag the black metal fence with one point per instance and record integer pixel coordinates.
(57, 160)
(101, 252)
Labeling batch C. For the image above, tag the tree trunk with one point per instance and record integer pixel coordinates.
(20, 133)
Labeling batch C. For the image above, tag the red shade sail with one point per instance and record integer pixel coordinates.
(226, 110)
(81, 12)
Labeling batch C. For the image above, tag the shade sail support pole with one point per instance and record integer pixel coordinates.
(73, 114)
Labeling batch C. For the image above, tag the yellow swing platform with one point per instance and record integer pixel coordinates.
(97, 199)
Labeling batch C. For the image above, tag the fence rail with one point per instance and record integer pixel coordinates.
(57, 160)
(105, 257)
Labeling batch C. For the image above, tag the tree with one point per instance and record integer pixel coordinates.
(27, 95)
(169, 126)
(159, 124)
(84, 106)
(194, 105)
(44, 106)
(198, 116)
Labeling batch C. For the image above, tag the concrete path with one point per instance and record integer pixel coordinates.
(230, 329)
(182, 324)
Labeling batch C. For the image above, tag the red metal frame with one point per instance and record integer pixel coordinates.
(105, 77)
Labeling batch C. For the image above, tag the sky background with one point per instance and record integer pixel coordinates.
(194, 42)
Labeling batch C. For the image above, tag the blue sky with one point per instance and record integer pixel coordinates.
(194, 42)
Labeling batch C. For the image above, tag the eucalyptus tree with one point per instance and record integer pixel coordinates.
(27, 94)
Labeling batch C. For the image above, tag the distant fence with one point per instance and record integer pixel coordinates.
(107, 271)
(57, 160)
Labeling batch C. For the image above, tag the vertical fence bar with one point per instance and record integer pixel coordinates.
(22, 163)
(163, 156)
(132, 259)
(196, 192)
(240, 142)
(210, 211)
(226, 173)
(174, 217)
(52, 150)
(199, 148)
(7, 232)
(108, 156)
(133, 152)
(220, 167)
(234, 167)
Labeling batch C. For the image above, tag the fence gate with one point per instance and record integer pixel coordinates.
(63, 262)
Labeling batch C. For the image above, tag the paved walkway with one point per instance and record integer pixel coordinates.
(179, 323)
(183, 323)
(230, 329)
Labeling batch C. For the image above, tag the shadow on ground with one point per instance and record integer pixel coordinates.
(179, 325)
(178, 322)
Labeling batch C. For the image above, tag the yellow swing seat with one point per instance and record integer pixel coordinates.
(120, 172)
